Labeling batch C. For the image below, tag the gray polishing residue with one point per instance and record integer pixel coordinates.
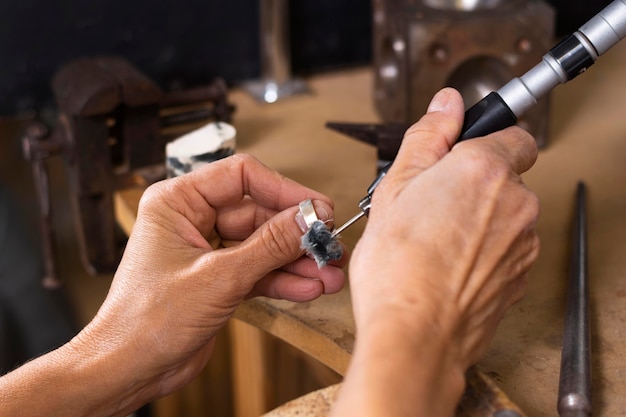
(319, 242)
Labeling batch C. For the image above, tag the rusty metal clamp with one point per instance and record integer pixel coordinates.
(112, 127)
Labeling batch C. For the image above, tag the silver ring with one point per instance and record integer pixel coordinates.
(308, 212)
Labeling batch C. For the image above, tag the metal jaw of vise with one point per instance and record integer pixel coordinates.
(112, 128)
(421, 46)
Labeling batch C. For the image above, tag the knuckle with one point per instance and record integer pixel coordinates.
(533, 206)
(535, 247)
(244, 158)
(155, 194)
(527, 255)
(530, 207)
(526, 138)
(519, 290)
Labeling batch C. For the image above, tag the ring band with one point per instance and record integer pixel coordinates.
(308, 212)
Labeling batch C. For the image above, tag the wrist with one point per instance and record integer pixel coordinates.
(109, 369)
(76, 379)
(102, 378)
(418, 369)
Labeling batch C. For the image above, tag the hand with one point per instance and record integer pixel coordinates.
(446, 251)
(173, 291)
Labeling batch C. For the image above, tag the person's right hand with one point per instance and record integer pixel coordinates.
(446, 250)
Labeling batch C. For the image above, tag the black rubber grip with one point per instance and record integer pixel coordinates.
(489, 115)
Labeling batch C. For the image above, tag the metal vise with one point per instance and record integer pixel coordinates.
(421, 46)
(113, 125)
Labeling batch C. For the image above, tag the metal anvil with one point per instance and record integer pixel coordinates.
(421, 46)
(113, 125)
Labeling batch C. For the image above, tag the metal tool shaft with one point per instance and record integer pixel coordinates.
(575, 380)
(348, 223)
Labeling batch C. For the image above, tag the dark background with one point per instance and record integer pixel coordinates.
(185, 42)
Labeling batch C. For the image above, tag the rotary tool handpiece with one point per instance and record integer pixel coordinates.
(501, 109)
(568, 59)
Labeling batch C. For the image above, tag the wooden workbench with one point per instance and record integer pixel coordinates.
(587, 142)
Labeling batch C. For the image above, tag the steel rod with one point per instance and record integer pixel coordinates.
(574, 398)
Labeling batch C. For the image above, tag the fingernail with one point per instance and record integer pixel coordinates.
(321, 211)
(440, 102)
(301, 222)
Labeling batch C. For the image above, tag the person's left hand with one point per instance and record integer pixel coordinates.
(173, 291)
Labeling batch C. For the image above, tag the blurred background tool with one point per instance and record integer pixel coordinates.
(422, 46)
(386, 137)
(111, 129)
(575, 380)
(276, 80)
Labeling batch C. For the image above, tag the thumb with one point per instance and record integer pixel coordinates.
(274, 244)
(432, 137)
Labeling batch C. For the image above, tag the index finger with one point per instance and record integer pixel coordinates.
(514, 145)
(225, 185)
(227, 181)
